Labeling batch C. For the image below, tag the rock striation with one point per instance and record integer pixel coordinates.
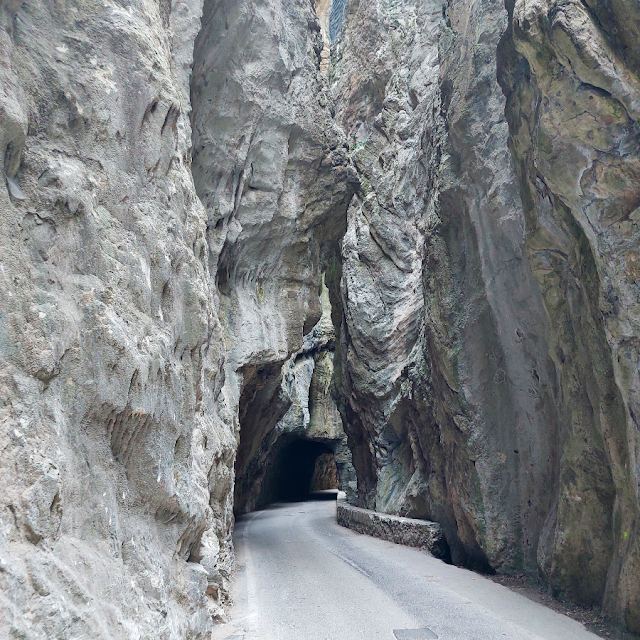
(271, 167)
(405, 230)
(488, 335)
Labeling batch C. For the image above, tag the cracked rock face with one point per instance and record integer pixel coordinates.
(181, 180)
(488, 341)
(117, 460)
(271, 168)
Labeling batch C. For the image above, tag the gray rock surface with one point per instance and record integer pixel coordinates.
(488, 331)
(179, 180)
(120, 384)
(271, 168)
(116, 461)
(307, 390)
(574, 132)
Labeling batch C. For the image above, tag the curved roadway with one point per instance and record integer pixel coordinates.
(303, 577)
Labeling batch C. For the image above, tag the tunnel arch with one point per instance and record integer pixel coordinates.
(295, 468)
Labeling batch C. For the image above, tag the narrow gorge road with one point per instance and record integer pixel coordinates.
(303, 577)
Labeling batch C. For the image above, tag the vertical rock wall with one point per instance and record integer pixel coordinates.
(571, 78)
(116, 461)
(488, 332)
(164, 237)
(271, 168)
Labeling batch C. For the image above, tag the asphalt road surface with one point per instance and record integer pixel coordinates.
(303, 577)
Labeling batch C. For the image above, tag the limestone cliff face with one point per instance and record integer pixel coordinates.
(452, 423)
(179, 180)
(306, 388)
(271, 168)
(488, 342)
(116, 461)
(571, 77)
(122, 391)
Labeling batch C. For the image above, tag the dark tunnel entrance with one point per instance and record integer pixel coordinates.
(304, 468)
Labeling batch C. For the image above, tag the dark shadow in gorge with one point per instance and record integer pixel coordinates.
(262, 405)
(302, 468)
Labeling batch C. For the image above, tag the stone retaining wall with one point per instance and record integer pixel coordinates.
(422, 534)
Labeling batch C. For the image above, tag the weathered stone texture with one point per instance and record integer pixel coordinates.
(111, 435)
(325, 474)
(164, 237)
(488, 342)
(422, 534)
(571, 80)
(271, 168)
(123, 393)
(306, 389)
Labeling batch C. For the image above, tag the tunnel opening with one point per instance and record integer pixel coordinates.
(304, 470)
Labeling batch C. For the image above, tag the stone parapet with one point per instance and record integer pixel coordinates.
(411, 532)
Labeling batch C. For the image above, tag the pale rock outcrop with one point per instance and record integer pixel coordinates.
(307, 389)
(116, 461)
(271, 168)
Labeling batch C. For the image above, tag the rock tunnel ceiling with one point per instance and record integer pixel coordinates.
(416, 249)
